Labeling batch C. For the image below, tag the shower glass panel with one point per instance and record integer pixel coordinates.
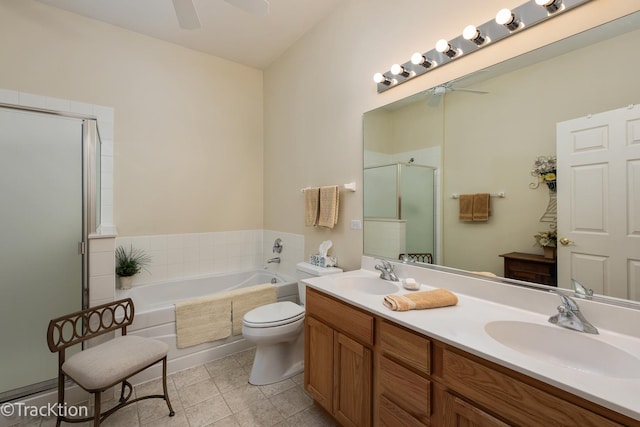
(41, 224)
(406, 193)
(417, 207)
(381, 192)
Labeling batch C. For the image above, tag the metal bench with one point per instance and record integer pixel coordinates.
(102, 366)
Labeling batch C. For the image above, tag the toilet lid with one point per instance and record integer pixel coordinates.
(278, 313)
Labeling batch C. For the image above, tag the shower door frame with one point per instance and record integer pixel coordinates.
(90, 215)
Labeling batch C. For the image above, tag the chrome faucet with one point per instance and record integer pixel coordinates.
(581, 291)
(276, 260)
(570, 317)
(386, 271)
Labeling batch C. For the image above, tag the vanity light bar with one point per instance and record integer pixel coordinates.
(507, 22)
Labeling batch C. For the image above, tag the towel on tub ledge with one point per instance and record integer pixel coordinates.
(203, 319)
(246, 299)
(421, 300)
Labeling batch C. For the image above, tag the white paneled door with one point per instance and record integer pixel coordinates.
(599, 202)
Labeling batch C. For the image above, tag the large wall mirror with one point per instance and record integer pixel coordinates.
(482, 134)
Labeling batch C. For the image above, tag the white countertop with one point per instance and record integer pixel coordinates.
(462, 326)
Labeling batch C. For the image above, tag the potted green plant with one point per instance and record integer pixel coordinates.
(129, 262)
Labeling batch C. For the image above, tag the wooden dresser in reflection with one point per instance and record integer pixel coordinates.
(530, 268)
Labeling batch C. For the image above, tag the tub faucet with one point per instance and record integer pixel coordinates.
(386, 271)
(276, 260)
(570, 317)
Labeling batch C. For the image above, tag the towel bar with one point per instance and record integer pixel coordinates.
(500, 195)
(350, 186)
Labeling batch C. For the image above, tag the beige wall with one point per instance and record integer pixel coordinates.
(316, 93)
(189, 131)
(188, 152)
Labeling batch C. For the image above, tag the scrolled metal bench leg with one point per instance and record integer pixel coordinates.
(60, 396)
(164, 386)
(125, 384)
(96, 409)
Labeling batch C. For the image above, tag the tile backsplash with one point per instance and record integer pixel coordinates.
(175, 256)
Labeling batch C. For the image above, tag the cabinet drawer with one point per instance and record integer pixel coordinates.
(405, 346)
(390, 415)
(406, 389)
(516, 401)
(528, 266)
(457, 412)
(341, 316)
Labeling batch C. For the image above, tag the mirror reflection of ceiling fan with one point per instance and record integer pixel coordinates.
(438, 92)
(188, 15)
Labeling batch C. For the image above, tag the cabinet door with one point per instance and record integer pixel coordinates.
(352, 382)
(318, 363)
(458, 413)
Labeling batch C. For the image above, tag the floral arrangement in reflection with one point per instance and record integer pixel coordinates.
(544, 168)
(547, 238)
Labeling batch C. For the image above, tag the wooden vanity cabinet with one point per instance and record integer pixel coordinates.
(339, 358)
(366, 370)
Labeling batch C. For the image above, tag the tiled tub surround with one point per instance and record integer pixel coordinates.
(484, 300)
(177, 256)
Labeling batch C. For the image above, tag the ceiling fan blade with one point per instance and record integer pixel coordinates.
(254, 7)
(461, 89)
(187, 14)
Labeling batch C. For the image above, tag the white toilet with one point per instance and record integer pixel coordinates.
(277, 330)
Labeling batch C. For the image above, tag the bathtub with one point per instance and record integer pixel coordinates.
(155, 314)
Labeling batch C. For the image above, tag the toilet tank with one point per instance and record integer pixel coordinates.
(304, 270)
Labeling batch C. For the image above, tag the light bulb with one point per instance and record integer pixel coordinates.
(550, 5)
(379, 78)
(399, 70)
(508, 19)
(444, 47)
(419, 59)
(471, 33)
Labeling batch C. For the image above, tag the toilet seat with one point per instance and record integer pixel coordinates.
(271, 315)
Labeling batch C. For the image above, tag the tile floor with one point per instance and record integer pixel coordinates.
(217, 394)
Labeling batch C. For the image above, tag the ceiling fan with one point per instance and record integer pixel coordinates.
(438, 92)
(188, 15)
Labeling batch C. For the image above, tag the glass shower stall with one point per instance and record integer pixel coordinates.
(400, 209)
(47, 162)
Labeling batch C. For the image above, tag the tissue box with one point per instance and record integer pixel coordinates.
(322, 261)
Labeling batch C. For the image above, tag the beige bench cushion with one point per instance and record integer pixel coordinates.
(109, 363)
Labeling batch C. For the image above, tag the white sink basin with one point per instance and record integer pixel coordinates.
(367, 285)
(566, 348)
